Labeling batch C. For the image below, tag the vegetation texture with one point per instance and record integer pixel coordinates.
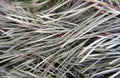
(59, 38)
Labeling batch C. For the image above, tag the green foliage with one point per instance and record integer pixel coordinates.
(23, 0)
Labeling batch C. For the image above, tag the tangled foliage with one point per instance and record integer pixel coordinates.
(59, 39)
